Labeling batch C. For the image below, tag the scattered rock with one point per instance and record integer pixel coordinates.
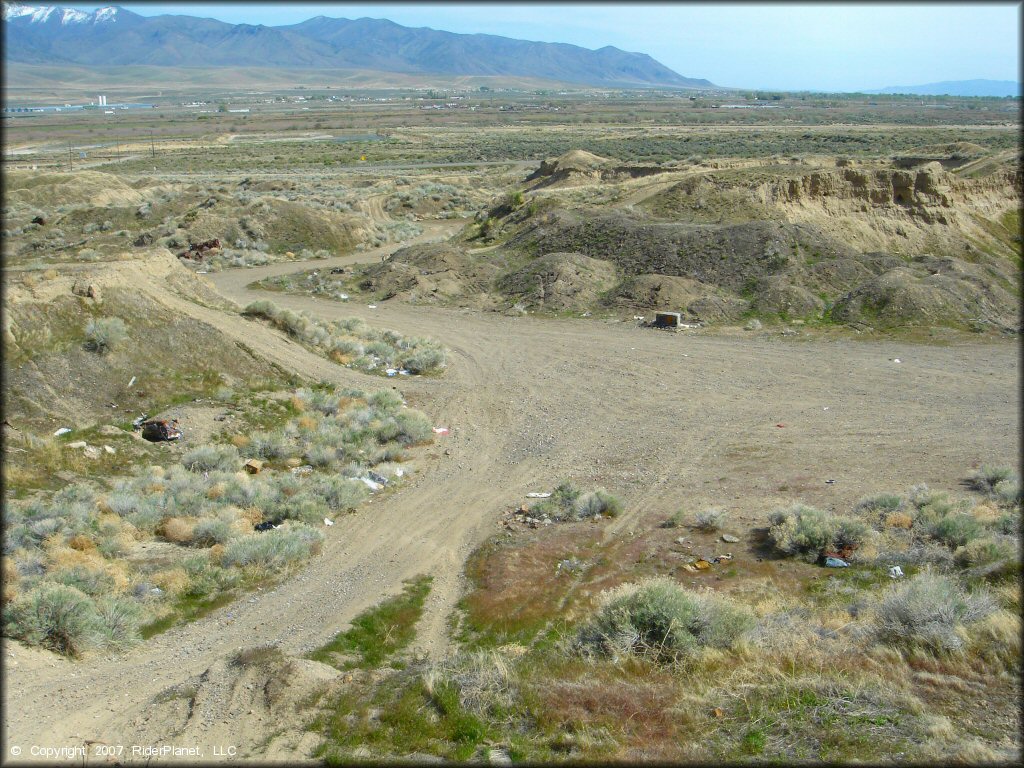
(92, 452)
(729, 538)
(78, 444)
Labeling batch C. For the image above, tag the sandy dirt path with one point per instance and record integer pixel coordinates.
(664, 420)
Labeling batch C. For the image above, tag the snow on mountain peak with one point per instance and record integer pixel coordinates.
(42, 13)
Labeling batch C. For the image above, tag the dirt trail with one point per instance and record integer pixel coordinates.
(665, 421)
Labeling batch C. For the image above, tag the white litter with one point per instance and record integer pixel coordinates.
(403, 372)
(896, 360)
(895, 572)
(343, 296)
(391, 371)
(441, 430)
(371, 306)
(371, 484)
(109, 450)
(132, 381)
(399, 472)
(61, 431)
(535, 495)
(328, 522)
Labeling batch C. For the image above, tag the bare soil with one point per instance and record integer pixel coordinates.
(665, 420)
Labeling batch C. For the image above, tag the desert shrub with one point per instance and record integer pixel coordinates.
(120, 619)
(849, 533)
(927, 610)
(597, 502)
(91, 581)
(988, 477)
(956, 529)
(659, 619)
(276, 549)
(801, 530)
(267, 445)
(984, 551)
(57, 617)
(1009, 523)
(424, 360)
(321, 455)
(386, 400)
(211, 531)
(413, 427)
(1008, 492)
(882, 504)
(710, 519)
(103, 334)
(341, 493)
(209, 458)
(177, 530)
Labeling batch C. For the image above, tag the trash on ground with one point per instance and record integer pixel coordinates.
(61, 431)
(109, 450)
(780, 425)
(537, 495)
(137, 423)
(728, 538)
(130, 383)
(399, 472)
(835, 562)
(441, 430)
(830, 482)
(371, 306)
(896, 360)
(158, 430)
(305, 469)
(722, 558)
(895, 572)
(403, 372)
(253, 466)
(718, 712)
(371, 484)
(702, 565)
(265, 526)
(328, 521)
(378, 478)
(391, 372)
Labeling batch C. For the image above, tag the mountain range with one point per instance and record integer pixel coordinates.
(996, 88)
(114, 36)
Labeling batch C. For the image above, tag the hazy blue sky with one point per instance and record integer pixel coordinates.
(813, 46)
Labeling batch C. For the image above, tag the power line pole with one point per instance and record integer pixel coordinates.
(152, 146)
(71, 162)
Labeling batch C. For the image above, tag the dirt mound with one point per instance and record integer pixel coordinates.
(931, 292)
(48, 190)
(657, 292)
(241, 701)
(579, 160)
(52, 376)
(431, 273)
(559, 282)
(290, 226)
(728, 256)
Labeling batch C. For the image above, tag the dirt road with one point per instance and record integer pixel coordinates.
(664, 420)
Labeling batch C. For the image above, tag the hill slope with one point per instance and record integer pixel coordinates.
(116, 37)
(991, 88)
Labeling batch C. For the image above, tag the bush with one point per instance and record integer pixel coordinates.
(1008, 492)
(882, 504)
(801, 530)
(927, 610)
(275, 549)
(849, 533)
(120, 619)
(211, 458)
(985, 552)
(57, 617)
(659, 619)
(424, 360)
(267, 445)
(988, 477)
(956, 529)
(105, 333)
(211, 531)
(597, 502)
(341, 493)
(711, 519)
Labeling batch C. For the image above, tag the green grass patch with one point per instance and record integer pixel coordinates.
(380, 632)
(186, 609)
